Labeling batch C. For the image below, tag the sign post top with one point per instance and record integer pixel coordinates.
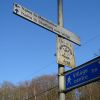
(43, 22)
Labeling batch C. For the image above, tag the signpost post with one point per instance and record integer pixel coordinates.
(83, 74)
(61, 69)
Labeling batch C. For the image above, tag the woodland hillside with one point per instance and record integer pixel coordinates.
(46, 88)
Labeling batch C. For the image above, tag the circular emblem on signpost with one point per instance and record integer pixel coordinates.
(65, 53)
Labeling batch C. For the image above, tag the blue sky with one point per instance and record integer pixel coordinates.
(27, 50)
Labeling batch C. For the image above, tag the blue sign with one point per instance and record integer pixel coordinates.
(83, 74)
